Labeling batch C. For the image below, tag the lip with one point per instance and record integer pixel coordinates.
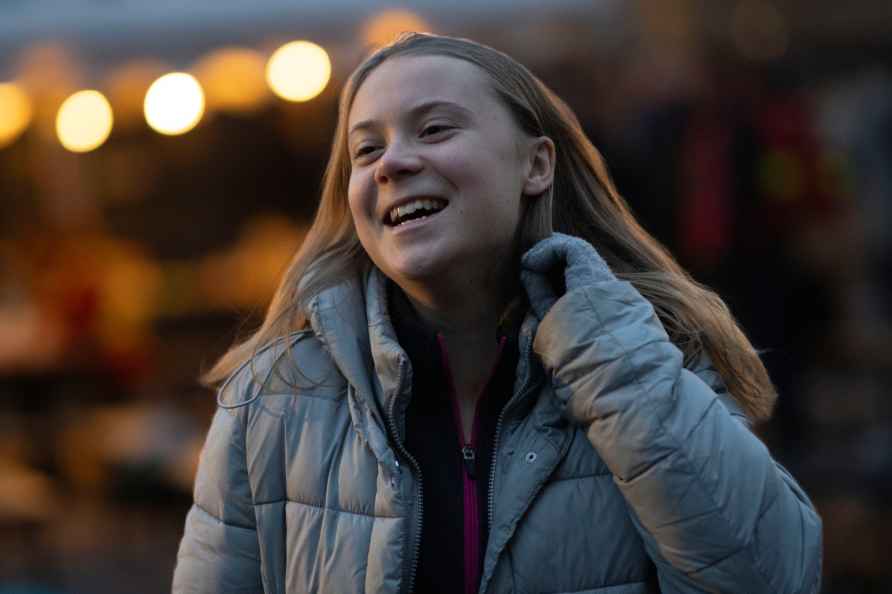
(407, 200)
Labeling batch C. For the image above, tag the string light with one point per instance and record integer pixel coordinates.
(15, 112)
(298, 71)
(174, 103)
(84, 121)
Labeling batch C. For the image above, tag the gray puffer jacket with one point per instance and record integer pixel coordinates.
(616, 470)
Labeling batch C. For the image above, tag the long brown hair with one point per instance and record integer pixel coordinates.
(583, 201)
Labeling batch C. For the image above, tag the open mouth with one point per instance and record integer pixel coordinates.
(417, 209)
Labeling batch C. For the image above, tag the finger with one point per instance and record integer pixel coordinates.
(539, 290)
(545, 256)
(584, 263)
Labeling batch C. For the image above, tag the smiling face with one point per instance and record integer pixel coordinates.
(430, 128)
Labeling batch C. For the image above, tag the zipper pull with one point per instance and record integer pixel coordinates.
(397, 471)
(469, 458)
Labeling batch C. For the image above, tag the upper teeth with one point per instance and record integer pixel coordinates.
(399, 212)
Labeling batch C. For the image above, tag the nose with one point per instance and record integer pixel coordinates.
(399, 160)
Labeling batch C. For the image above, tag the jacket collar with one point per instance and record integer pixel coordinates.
(352, 321)
(372, 361)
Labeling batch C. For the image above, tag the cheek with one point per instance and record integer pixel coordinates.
(358, 199)
(489, 168)
(361, 211)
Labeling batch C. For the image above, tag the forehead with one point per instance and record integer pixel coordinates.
(402, 82)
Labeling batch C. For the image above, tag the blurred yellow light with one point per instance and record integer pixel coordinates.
(385, 27)
(233, 79)
(15, 112)
(84, 121)
(298, 71)
(174, 103)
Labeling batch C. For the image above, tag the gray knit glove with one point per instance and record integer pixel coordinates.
(558, 264)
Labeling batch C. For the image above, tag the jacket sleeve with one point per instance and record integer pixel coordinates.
(715, 511)
(219, 551)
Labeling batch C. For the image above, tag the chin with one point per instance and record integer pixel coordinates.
(417, 270)
(417, 273)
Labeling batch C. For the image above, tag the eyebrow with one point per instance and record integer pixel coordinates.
(420, 109)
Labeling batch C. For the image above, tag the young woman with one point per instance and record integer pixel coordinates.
(480, 374)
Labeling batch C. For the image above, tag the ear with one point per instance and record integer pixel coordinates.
(540, 157)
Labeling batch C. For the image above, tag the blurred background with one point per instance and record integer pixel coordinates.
(160, 162)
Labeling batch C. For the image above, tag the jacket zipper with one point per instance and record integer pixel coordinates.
(495, 448)
(471, 522)
(419, 492)
(468, 451)
(469, 458)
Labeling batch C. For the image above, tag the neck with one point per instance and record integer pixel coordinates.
(463, 311)
(466, 316)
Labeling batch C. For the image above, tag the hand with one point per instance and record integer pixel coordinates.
(558, 264)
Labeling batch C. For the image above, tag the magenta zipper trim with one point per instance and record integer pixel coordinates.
(471, 514)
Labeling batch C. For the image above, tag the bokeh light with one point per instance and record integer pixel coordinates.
(174, 103)
(15, 112)
(233, 79)
(298, 71)
(84, 121)
(384, 27)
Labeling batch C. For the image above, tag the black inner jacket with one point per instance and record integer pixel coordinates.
(432, 438)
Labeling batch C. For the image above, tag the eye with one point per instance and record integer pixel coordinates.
(364, 150)
(435, 129)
